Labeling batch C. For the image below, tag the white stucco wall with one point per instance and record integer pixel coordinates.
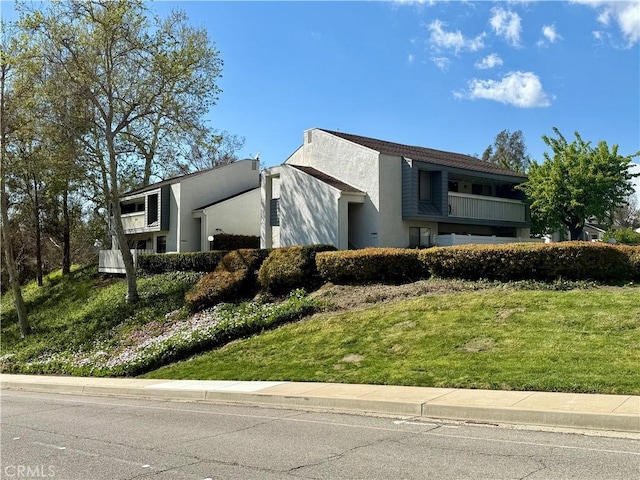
(239, 216)
(394, 232)
(199, 190)
(353, 164)
(308, 210)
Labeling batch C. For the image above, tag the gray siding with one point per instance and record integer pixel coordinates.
(165, 207)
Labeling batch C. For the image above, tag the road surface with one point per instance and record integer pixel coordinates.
(80, 437)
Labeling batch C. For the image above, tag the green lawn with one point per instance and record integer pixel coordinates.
(501, 338)
(70, 313)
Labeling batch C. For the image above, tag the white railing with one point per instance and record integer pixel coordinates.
(110, 261)
(457, 239)
(132, 222)
(465, 205)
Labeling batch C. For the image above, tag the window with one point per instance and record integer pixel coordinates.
(141, 245)
(419, 237)
(274, 212)
(453, 186)
(161, 244)
(424, 186)
(152, 215)
(131, 207)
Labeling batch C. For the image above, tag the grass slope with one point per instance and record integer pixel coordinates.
(501, 338)
(71, 313)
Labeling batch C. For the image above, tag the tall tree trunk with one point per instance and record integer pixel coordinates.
(37, 223)
(66, 234)
(127, 257)
(10, 260)
(576, 232)
(114, 197)
(5, 233)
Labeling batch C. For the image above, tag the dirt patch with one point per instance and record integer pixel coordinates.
(348, 297)
(479, 345)
(504, 315)
(351, 358)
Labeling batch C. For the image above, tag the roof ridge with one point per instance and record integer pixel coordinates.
(427, 154)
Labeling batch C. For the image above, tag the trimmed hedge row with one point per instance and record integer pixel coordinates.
(154, 264)
(546, 262)
(518, 261)
(371, 265)
(228, 241)
(234, 278)
(289, 268)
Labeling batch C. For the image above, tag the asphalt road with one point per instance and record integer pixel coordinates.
(71, 437)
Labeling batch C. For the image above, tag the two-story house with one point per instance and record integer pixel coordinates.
(181, 213)
(355, 192)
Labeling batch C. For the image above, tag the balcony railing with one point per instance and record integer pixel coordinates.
(133, 222)
(110, 261)
(465, 205)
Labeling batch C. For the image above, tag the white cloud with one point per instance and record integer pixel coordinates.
(429, 3)
(549, 31)
(411, 57)
(626, 15)
(550, 35)
(456, 41)
(507, 24)
(490, 61)
(520, 89)
(441, 62)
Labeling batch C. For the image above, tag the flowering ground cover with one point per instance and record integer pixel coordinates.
(101, 335)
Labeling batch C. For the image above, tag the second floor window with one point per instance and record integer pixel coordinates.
(424, 186)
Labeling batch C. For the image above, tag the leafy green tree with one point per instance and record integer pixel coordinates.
(12, 94)
(578, 183)
(508, 151)
(141, 80)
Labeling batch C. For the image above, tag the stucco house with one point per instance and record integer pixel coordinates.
(354, 192)
(179, 214)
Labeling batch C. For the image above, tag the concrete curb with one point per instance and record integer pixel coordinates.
(595, 412)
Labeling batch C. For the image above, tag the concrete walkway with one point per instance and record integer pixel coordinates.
(568, 410)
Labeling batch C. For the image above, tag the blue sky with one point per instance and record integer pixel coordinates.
(445, 75)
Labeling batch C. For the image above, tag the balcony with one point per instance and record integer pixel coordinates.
(465, 205)
(134, 222)
(110, 261)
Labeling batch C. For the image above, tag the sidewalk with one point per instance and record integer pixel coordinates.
(585, 411)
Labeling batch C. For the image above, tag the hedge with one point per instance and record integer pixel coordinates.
(234, 278)
(545, 262)
(227, 241)
(289, 268)
(371, 265)
(518, 261)
(155, 264)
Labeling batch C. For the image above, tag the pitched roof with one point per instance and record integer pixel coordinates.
(428, 155)
(172, 180)
(323, 177)
(227, 198)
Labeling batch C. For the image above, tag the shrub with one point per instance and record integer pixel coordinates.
(227, 241)
(624, 236)
(633, 254)
(179, 262)
(289, 268)
(569, 261)
(234, 278)
(371, 265)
